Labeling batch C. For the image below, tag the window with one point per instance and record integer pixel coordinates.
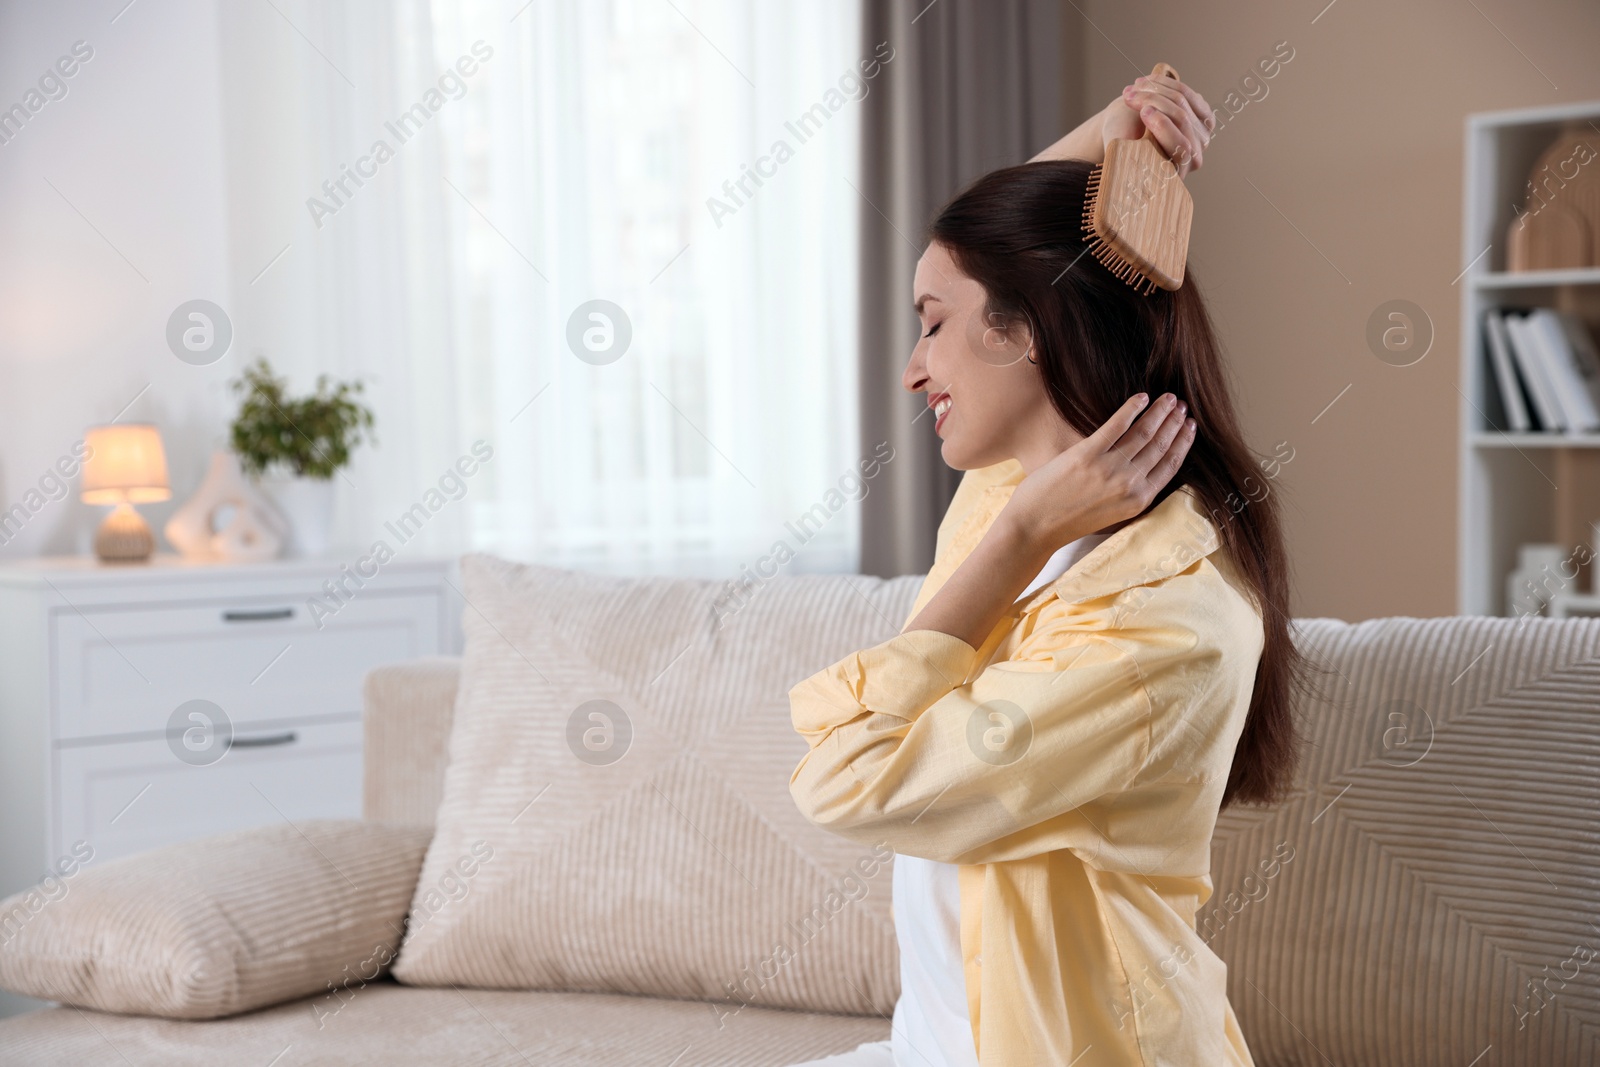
(692, 165)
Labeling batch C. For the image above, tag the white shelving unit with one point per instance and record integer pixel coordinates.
(1509, 481)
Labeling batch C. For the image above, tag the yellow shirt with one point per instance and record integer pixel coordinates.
(1073, 766)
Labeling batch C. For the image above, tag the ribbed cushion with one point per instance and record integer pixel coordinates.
(1431, 890)
(682, 868)
(218, 926)
(383, 1024)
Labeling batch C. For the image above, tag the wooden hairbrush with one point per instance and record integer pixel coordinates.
(1137, 212)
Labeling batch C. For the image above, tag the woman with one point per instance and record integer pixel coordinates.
(1097, 663)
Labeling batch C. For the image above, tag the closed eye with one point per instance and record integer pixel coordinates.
(933, 329)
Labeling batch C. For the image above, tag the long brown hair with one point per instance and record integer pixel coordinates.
(1018, 232)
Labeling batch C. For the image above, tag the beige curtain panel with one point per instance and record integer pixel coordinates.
(974, 85)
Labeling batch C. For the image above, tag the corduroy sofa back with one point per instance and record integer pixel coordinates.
(1430, 891)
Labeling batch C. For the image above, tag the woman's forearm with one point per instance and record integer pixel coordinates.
(985, 585)
(1085, 142)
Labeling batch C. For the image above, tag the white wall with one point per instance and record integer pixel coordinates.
(136, 146)
(191, 141)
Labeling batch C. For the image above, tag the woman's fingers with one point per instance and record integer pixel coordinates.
(1151, 453)
(1202, 110)
(1144, 438)
(1117, 470)
(1144, 433)
(1168, 98)
(1163, 472)
(1167, 111)
(1110, 432)
(1172, 140)
(1178, 101)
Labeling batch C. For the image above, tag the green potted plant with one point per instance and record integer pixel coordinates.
(292, 447)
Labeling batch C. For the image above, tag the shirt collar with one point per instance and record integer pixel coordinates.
(1164, 541)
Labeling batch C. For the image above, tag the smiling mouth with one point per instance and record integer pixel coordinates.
(941, 408)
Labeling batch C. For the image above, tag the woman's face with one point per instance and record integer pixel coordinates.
(987, 399)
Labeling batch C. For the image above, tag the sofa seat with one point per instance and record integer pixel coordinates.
(387, 1023)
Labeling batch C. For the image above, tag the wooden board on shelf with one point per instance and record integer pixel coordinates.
(1577, 500)
(1558, 227)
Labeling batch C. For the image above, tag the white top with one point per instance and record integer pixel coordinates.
(931, 1027)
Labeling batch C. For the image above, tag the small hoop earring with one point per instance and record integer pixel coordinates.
(1029, 358)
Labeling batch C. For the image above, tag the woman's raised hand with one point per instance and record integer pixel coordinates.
(1179, 117)
(1110, 476)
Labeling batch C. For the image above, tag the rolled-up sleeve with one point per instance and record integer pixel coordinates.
(908, 746)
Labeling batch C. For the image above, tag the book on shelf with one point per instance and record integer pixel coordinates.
(1506, 378)
(1546, 370)
(1531, 363)
(1583, 353)
(1572, 380)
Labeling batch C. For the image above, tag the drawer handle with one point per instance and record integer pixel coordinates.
(264, 741)
(266, 615)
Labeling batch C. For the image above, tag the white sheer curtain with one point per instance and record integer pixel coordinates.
(573, 163)
(578, 167)
(308, 87)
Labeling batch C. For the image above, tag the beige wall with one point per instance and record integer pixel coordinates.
(1358, 143)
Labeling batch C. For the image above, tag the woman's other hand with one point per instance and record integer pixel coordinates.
(1109, 477)
(1179, 117)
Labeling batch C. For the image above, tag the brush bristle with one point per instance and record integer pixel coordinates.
(1110, 257)
(1091, 193)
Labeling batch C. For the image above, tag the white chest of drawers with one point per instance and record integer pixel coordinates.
(142, 705)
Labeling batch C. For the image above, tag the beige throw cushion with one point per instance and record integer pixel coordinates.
(618, 789)
(220, 925)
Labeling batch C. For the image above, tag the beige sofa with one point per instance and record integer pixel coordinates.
(1429, 895)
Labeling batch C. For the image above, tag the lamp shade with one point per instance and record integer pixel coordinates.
(125, 465)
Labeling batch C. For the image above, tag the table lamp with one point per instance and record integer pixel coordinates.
(125, 466)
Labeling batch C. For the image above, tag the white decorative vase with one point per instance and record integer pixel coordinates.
(306, 505)
(227, 518)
